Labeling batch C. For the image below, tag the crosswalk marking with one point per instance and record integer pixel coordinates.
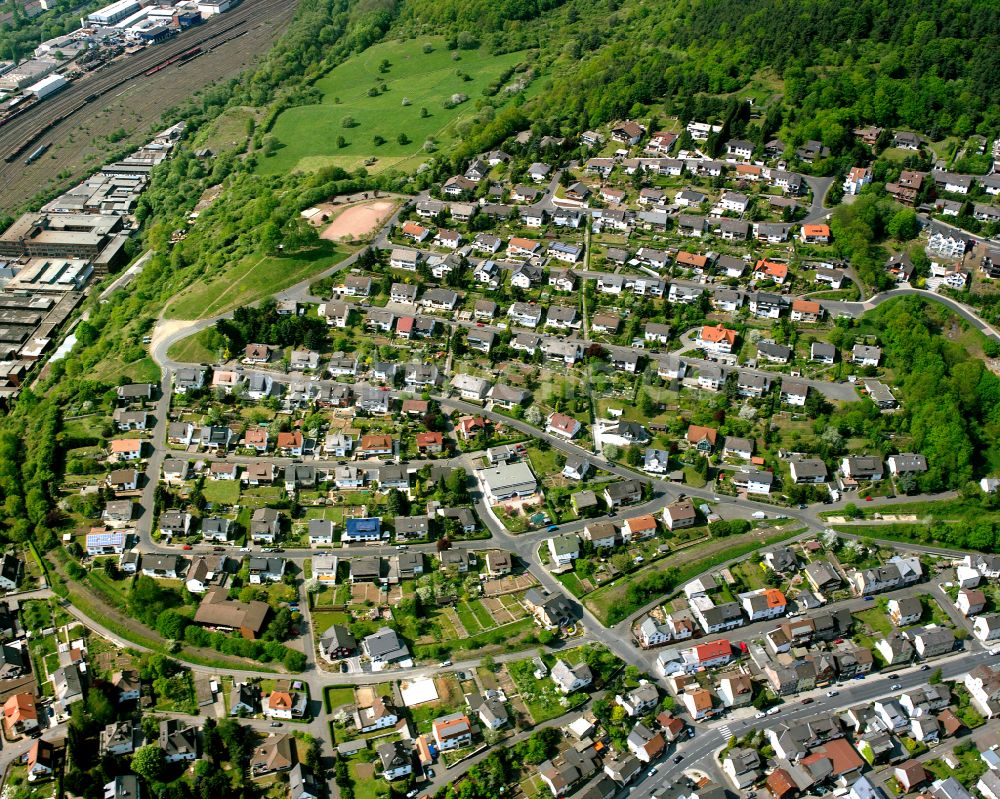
(727, 733)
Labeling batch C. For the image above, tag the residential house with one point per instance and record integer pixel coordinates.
(624, 492)
(384, 647)
(717, 339)
(396, 760)
(645, 744)
(453, 731)
(564, 549)
(905, 611)
(178, 741)
(680, 514)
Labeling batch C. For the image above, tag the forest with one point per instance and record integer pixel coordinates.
(265, 324)
(950, 400)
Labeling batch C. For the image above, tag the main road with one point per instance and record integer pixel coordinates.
(713, 736)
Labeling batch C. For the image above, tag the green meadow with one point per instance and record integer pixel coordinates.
(307, 136)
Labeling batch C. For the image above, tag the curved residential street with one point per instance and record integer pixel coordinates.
(709, 736)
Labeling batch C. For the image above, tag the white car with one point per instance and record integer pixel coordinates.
(832, 693)
(774, 711)
(759, 715)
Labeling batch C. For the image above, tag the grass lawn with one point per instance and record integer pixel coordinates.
(337, 695)
(141, 370)
(326, 596)
(365, 784)
(468, 618)
(692, 478)
(540, 697)
(116, 591)
(875, 619)
(280, 592)
(225, 492)
(482, 615)
(251, 279)
(509, 637)
(324, 619)
(328, 514)
(544, 462)
(194, 349)
(307, 135)
(229, 129)
(572, 584)
(751, 574)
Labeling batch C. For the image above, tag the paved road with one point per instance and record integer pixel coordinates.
(819, 186)
(856, 309)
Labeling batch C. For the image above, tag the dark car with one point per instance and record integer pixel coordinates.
(808, 700)
(678, 758)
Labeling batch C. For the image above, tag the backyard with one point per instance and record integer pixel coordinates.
(486, 625)
(616, 600)
(541, 697)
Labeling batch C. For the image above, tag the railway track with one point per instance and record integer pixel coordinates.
(19, 133)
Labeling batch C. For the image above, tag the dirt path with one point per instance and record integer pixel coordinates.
(165, 328)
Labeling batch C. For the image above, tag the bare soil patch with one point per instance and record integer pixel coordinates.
(356, 221)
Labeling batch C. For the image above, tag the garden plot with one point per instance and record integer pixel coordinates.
(508, 585)
(362, 593)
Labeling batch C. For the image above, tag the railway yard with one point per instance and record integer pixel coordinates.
(118, 105)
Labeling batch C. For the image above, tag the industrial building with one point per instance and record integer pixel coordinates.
(112, 14)
(51, 276)
(96, 237)
(47, 86)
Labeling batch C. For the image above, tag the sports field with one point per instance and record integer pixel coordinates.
(307, 136)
